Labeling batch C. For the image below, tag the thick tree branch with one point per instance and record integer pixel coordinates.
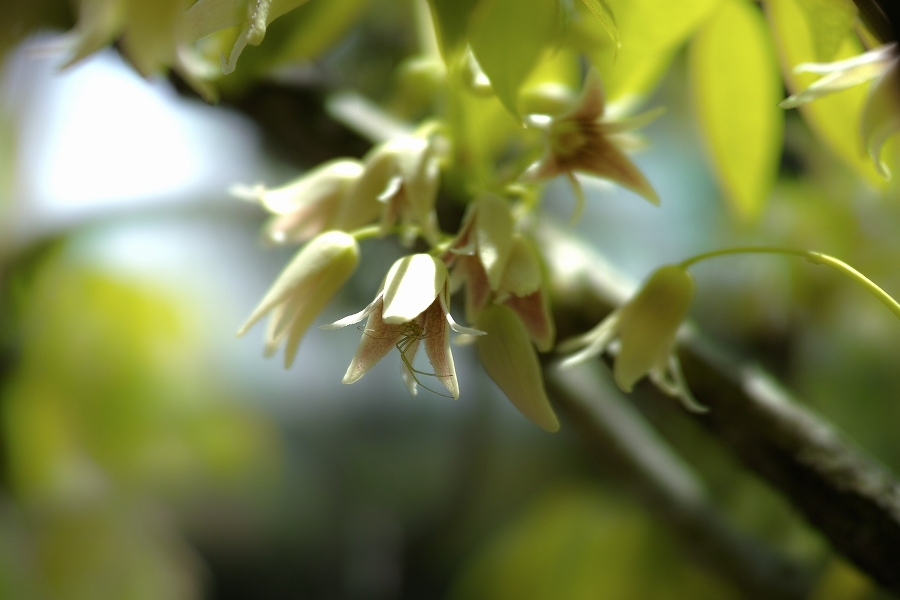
(849, 496)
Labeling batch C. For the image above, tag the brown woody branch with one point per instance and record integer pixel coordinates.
(845, 493)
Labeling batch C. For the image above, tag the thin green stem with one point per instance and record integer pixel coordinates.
(816, 258)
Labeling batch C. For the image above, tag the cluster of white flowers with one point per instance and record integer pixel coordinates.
(491, 259)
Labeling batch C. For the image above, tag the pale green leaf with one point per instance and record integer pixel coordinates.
(209, 16)
(836, 118)
(508, 40)
(451, 22)
(736, 89)
(317, 26)
(650, 32)
(604, 14)
(509, 358)
(829, 22)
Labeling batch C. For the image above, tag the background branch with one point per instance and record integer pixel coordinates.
(846, 494)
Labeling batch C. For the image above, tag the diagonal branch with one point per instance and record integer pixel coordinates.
(845, 493)
(627, 448)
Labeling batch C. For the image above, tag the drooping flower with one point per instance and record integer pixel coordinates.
(303, 289)
(646, 328)
(522, 289)
(579, 140)
(480, 251)
(402, 174)
(411, 307)
(495, 264)
(842, 74)
(881, 112)
(307, 206)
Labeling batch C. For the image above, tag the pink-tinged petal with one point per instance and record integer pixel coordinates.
(477, 287)
(601, 157)
(510, 360)
(411, 286)
(533, 310)
(437, 347)
(300, 225)
(377, 340)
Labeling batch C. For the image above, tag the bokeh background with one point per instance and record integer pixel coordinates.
(146, 453)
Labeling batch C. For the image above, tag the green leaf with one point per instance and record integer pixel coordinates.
(604, 14)
(736, 89)
(836, 118)
(508, 40)
(829, 22)
(451, 21)
(650, 32)
(317, 26)
(509, 358)
(209, 16)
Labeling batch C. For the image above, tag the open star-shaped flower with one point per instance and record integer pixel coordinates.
(579, 140)
(411, 307)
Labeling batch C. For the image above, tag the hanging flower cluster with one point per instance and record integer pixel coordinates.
(491, 260)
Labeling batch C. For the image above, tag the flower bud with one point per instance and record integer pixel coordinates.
(303, 289)
(648, 324)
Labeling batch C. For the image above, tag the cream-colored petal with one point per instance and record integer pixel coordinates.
(356, 317)
(881, 116)
(592, 344)
(878, 56)
(333, 253)
(635, 122)
(360, 205)
(444, 299)
(649, 323)
(493, 235)
(300, 225)
(510, 360)
(378, 339)
(411, 286)
(325, 183)
(835, 81)
(437, 347)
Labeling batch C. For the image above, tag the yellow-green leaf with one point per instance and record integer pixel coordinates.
(317, 26)
(736, 89)
(836, 118)
(509, 358)
(451, 22)
(508, 39)
(650, 32)
(829, 22)
(604, 14)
